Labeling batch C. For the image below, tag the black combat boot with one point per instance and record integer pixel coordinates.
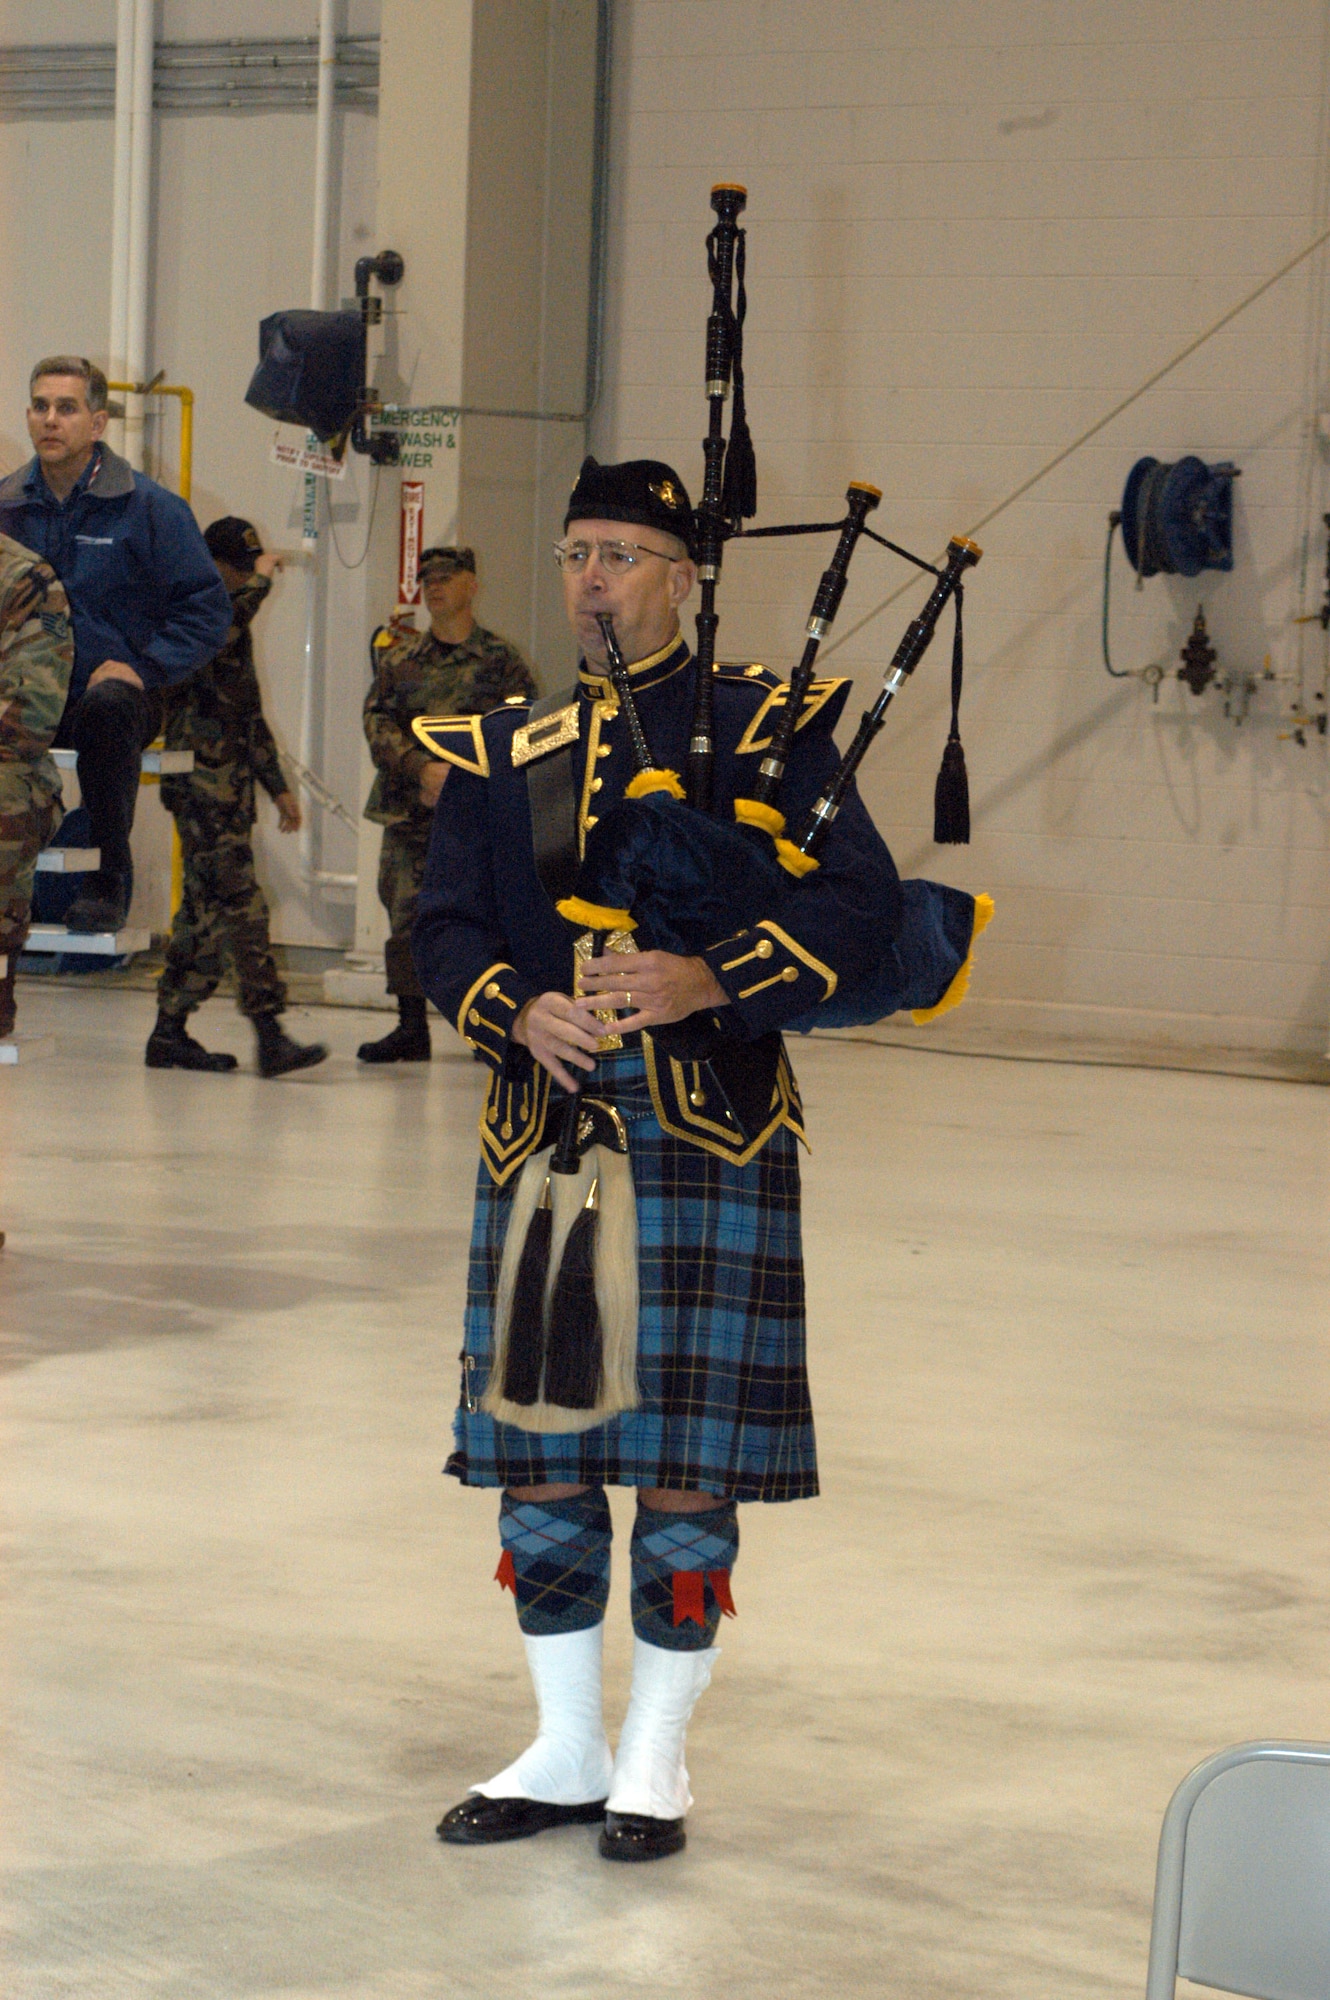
(8, 1009)
(278, 1053)
(171, 1046)
(409, 1040)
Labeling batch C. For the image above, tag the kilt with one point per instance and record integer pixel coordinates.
(724, 1404)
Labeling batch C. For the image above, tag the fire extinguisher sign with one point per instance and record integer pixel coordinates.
(413, 522)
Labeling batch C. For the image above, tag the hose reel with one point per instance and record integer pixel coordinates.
(1178, 519)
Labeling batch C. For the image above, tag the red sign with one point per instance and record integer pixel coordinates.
(413, 527)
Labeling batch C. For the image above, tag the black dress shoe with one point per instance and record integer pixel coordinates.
(637, 1837)
(480, 1821)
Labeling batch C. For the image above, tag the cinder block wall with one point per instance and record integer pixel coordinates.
(974, 225)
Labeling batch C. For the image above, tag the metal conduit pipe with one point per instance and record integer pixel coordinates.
(54, 80)
(140, 228)
(124, 121)
(311, 692)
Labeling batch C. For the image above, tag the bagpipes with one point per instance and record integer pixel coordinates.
(679, 877)
(661, 871)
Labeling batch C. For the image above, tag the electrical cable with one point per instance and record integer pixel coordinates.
(369, 525)
(1102, 423)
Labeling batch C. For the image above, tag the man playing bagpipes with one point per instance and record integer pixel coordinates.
(635, 1308)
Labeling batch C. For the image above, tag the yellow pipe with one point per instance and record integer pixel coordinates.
(186, 484)
(186, 422)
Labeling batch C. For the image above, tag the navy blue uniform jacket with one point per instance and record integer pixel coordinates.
(487, 939)
(142, 587)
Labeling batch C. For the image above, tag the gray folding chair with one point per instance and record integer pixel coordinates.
(1242, 1889)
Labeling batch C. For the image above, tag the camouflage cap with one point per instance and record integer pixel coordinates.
(234, 541)
(446, 561)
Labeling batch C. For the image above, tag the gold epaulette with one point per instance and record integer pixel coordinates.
(457, 739)
(747, 670)
(757, 736)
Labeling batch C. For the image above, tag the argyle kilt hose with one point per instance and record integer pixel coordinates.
(724, 1406)
(556, 1561)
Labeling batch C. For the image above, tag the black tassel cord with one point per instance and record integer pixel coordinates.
(572, 1336)
(573, 1364)
(951, 795)
(526, 1320)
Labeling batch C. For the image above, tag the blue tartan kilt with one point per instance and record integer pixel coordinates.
(721, 1368)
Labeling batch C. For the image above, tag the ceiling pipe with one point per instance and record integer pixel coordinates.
(312, 685)
(117, 359)
(140, 228)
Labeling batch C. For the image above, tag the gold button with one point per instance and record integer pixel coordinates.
(603, 749)
(697, 1097)
(765, 948)
(473, 1018)
(591, 820)
(507, 1131)
(492, 990)
(790, 972)
(492, 1115)
(596, 784)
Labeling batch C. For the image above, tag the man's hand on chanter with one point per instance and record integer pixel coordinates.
(657, 987)
(562, 1034)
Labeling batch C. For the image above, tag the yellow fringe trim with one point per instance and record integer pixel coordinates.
(793, 861)
(751, 812)
(594, 916)
(960, 985)
(655, 781)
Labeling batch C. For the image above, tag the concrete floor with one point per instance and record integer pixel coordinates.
(1069, 1367)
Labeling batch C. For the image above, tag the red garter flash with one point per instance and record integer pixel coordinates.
(689, 1600)
(505, 1575)
(719, 1579)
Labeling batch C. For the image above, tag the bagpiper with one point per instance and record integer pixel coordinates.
(684, 1152)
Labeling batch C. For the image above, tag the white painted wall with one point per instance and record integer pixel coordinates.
(974, 224)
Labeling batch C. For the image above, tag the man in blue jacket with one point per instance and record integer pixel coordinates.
(147, 602)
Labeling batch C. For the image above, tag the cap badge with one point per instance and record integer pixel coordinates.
(667, 493)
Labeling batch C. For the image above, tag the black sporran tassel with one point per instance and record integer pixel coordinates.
(574, 1355)
(951, 796)
(526, 1323)
(739, 489)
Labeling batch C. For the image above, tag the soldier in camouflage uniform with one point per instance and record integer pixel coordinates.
(36, 660)
(219, 716)
(455, 667)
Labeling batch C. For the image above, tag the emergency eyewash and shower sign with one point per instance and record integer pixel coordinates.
(421, 432)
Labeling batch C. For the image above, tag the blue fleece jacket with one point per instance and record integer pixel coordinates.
(142, 587)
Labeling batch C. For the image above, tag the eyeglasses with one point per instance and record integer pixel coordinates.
(617, 558)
